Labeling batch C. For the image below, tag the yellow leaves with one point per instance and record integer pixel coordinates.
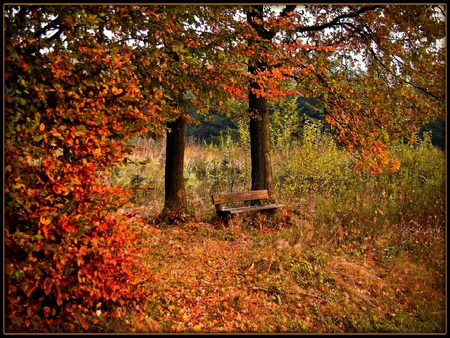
(56, 134)
(97, 152)
(44, 221)
(18, 186)
(116, 91)
(80, 130)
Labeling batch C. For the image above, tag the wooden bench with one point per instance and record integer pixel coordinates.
(254, 201)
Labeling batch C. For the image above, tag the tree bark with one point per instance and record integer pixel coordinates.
(260, 144)
(175, 193)
(259, 110)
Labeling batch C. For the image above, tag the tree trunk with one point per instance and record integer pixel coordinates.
(175, 193)
(259, 108)
(260, 144)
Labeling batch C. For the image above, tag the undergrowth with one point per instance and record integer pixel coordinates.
(349, 253)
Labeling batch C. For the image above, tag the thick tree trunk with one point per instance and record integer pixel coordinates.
(175, 193)
(260, 145)
(259, 121)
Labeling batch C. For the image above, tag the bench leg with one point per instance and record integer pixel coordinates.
(226, 218)
(230, 220)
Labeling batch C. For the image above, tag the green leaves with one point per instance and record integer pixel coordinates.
(80, 130)
(36, 237)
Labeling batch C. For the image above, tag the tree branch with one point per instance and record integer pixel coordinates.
(337, 20)
(377, 59)
(287, 10)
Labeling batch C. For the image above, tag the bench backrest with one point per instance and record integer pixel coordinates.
(240, 196)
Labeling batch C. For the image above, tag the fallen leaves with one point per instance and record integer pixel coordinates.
(224, 281)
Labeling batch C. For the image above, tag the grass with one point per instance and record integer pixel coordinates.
(348, 253)
(280, 279)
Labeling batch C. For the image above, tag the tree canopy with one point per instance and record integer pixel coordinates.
(373, 69)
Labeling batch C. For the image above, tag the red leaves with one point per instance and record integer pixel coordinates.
(133, 213)
(69, 228)
(66, 239)
(47, 286)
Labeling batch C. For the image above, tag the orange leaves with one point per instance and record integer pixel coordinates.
(44, 221)
(116, 91)
(395, 166)
(70, 219)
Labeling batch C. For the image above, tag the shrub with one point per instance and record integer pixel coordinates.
(68, 247)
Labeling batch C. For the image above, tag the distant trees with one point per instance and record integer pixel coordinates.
(210, 129)
(437, 130)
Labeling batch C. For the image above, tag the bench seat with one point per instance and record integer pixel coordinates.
(255, 197)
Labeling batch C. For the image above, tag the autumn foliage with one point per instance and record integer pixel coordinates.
(74, 96)
(67, 243)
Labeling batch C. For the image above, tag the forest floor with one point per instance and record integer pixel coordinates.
(279, 274)
(348, 253)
